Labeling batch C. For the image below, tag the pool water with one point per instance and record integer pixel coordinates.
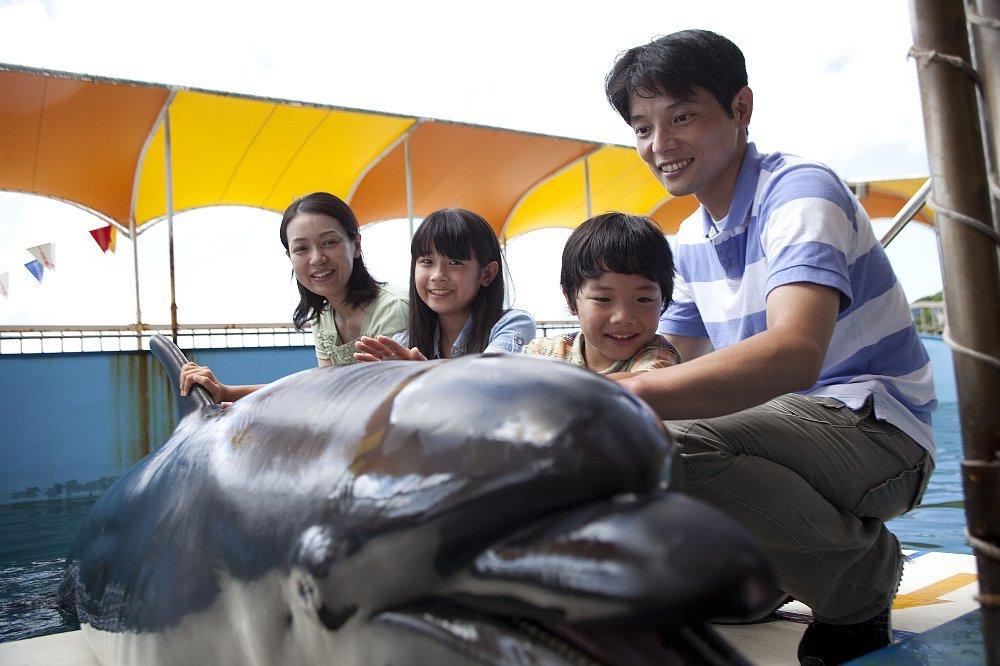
(35, 537)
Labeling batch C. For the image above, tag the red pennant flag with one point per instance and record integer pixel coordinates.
(103, 236)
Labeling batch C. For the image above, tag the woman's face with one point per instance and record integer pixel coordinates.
(322, 254)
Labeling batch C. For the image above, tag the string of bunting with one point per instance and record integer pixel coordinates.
(44, 255)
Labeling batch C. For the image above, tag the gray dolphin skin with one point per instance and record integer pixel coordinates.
(482, 510)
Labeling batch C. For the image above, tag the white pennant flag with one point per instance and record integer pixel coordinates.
(5, 284)
(46, 255)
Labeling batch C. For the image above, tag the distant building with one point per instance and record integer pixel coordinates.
(929, 316)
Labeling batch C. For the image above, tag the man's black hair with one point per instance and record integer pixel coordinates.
(675, 65)
(616, 243)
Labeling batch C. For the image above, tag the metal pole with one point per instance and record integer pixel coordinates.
(586, 185)
(971, 276)
(409, 183)
(135, 274)
(170, 220)
(907, 212)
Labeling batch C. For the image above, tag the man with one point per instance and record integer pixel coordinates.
(810, 419)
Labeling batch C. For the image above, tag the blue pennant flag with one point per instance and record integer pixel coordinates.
(35, 268)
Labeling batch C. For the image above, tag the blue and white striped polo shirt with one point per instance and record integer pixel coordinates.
(791, 220)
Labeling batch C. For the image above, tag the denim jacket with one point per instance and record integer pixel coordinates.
(511, 332)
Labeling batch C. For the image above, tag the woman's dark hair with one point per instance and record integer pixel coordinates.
(457, 234)
(675, 65)
(616, 243)
(361, 286)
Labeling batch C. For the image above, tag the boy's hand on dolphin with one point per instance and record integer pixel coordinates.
(384, 348)
(192, 373)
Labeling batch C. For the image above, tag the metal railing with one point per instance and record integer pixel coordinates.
(15, 340)
(69, 339)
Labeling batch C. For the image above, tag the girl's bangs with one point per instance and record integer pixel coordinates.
(443, 235)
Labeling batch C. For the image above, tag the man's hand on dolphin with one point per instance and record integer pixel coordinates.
(384, 348)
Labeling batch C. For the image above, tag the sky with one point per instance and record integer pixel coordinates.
(831, 81)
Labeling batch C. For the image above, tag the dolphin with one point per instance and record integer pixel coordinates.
(482, 510)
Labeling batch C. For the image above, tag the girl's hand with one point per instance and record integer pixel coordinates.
(384, 348)
(192, 373)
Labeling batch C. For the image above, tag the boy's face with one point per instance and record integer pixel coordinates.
(692, 145)
(618, 315)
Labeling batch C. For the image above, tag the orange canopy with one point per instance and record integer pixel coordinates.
(101, 144)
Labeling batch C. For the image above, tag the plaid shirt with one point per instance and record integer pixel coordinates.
(657, 354)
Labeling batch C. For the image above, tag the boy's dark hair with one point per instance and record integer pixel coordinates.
(361, 286)
(616, 243)
(675, 65)
(457, 234)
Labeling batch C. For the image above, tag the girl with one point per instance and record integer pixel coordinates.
(320, 235)
(456, 295)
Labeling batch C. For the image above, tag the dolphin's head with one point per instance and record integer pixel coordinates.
(477, 509)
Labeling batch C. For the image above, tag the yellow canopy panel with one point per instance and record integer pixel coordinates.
(84, 140)
(885, 198)
(75, 140)
(482, 169)
(228, 150)
(618, 179)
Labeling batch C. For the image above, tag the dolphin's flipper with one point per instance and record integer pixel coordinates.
(172, 359)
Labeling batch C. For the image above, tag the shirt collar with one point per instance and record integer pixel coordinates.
(458, 347)
(743, 194)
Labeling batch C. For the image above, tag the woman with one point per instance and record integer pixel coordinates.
(336, 292)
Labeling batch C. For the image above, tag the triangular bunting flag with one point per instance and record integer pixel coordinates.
(5, 284)
(35, 268)
(45, 254)
(103, 237)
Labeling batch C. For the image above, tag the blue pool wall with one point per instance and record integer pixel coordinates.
(72, 423)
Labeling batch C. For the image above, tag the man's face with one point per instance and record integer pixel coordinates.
(692, 145)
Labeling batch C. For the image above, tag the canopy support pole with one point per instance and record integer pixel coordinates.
(907, 213)
(407, 156)
(135, 274)
(586, 184)
(971, 272)
(169, 176)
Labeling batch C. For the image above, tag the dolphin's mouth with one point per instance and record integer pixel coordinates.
(494, 639)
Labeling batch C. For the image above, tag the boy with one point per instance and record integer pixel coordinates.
(806, 391)
(617, 276)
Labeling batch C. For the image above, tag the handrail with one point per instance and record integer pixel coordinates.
(55, 339)
(132, 327)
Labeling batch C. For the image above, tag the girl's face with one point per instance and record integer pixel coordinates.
(448, 286)
(322, 254)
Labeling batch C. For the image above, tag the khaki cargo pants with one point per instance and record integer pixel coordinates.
(814, 481)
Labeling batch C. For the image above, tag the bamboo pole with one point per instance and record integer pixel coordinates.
(984, 29)
(971, 276)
